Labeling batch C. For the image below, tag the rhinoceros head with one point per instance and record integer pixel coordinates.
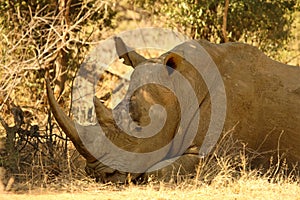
(151, 120)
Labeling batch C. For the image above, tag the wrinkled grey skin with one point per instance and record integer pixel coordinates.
(263, 101)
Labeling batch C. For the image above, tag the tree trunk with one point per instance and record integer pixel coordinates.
(61, 61)
(224, 28)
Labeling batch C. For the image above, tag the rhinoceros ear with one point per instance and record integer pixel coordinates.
(172, 61)
(130, 57)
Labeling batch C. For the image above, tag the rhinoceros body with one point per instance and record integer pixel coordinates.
(262, 104)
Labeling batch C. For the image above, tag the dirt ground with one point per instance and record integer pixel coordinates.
(242, 189)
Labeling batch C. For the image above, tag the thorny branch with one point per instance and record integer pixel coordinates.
(36, 44)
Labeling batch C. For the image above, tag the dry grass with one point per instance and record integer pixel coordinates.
(244, 188)
(226, 174)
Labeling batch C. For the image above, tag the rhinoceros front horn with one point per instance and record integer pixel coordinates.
(67, 125)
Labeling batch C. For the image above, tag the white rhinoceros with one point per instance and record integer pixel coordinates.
(262, 103)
